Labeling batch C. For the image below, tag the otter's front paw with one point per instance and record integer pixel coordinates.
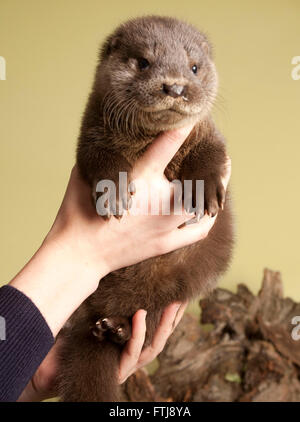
(112, 198)
(214, 195)
(117, 329)
(108, 205)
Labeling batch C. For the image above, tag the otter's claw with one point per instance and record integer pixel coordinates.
(117, 329)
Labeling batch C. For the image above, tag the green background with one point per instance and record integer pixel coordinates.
(51, 47)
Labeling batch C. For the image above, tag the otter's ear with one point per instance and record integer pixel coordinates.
(206, 46)
(111, 44)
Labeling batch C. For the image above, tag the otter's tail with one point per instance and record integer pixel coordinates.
(88, 370)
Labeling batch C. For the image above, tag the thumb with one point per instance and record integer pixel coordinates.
(163, 148)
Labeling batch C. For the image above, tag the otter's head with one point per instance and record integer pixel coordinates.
(157, 73)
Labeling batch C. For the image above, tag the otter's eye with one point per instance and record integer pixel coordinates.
(195, 69)
(143, 63)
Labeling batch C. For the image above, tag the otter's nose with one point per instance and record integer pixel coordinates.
(173, 90)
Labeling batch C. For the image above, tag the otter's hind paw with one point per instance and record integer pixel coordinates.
(117, 329)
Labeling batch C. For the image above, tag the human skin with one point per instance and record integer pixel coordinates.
(43, 384)
(81, 248)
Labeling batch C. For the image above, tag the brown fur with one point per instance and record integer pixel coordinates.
(127, 108)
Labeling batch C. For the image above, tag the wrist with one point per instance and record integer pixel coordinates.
(77, 257)
(79, 242)
(58, 280)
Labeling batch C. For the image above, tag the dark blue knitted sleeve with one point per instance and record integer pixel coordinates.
(25, 340)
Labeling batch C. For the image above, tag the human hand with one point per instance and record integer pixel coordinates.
(42, 386)
(81, 248)
(113, 244)
(133, 357)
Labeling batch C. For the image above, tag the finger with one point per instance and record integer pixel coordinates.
(226, 177)
(163, 149)
(162, 334)
(132, 350)
(43, 384)
(189, 233)
(179, 314)
(46, 376)
(169, 222)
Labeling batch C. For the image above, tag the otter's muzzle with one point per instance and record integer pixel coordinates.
(173, 90)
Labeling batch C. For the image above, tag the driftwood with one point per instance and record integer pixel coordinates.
(242, 350)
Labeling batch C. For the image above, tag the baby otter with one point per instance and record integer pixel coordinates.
(154, 74)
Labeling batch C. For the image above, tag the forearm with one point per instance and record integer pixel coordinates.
(58, 280)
